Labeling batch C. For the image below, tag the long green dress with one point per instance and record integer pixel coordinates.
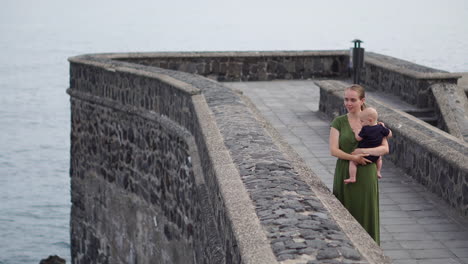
(362, 197)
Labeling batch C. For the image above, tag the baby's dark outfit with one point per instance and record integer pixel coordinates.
(372, 137)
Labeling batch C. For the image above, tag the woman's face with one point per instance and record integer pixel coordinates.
(352, 102)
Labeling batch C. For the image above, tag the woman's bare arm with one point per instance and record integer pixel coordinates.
(356, 135)
(381, 150)
(390, 134)
(337, 152)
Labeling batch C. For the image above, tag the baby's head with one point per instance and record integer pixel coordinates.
(368, 116)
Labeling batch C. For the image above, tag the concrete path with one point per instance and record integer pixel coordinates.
(416, 226)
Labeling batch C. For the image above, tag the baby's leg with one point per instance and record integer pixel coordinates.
(352, 172)
(379, 167)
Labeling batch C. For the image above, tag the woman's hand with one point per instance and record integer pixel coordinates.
(359, 158)
(359, 151)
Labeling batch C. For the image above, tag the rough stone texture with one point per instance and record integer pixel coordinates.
(431, 156)
(289, 211)
(251, 66)
(136, 193)
(453, 105)
(132, 178)
(135, 196)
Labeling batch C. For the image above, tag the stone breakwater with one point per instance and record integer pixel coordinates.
(172, 166)
(168, 165)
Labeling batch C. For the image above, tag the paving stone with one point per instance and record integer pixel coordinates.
(397, 254)
(405, 261)
(316, 243)
(450, 235)
(421, 244)
(412, 236)
(394, 214)
(349, 253)
(389, 207)
(404, 228)
(430, 213)
(434, 220)
(415, 207)
(456, 243)
(386, 238)
(285, 257)
(431, 253)
(390, 245)
(423, 227)
(439, 261)
(387, 202)
(442, 227)
(460, 252)
(327, 253)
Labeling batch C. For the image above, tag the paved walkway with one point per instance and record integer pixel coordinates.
(416, 226)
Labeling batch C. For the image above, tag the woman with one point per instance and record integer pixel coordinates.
(362, 197)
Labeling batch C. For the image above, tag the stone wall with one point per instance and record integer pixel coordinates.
(434, 158)
(415, 84)
(409, 81)
(137, 195)
(249, 66)
(172, 167)
(452, 103)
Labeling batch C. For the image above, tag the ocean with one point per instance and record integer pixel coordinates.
(37, 37)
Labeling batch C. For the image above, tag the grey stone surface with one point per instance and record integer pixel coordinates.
(139, 165)
(249, 66)
(153, 111)
(409, 81)
(400, 194)
(452, 103)
(185, 206)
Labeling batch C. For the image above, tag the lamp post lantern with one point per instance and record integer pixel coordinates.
(357, 59)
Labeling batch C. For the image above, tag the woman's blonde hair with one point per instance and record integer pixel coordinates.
(360, 91)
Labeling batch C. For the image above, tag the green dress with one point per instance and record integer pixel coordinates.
(362, 197)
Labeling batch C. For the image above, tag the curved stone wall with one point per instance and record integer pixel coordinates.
(172, 167)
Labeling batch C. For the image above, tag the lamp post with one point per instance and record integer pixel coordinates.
(357, 59)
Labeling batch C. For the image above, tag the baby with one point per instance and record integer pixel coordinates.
(370, 136)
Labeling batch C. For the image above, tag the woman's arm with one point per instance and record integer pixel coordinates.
(337, 152)
(381, 150)
(390, 134)
(356, 135)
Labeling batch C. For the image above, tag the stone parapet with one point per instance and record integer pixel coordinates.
(145, 174)
(433, 157)
(170, 166)
(248, 66)
(453, 104)
(409, 81)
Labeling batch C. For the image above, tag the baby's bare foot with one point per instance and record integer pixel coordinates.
(350, 180)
